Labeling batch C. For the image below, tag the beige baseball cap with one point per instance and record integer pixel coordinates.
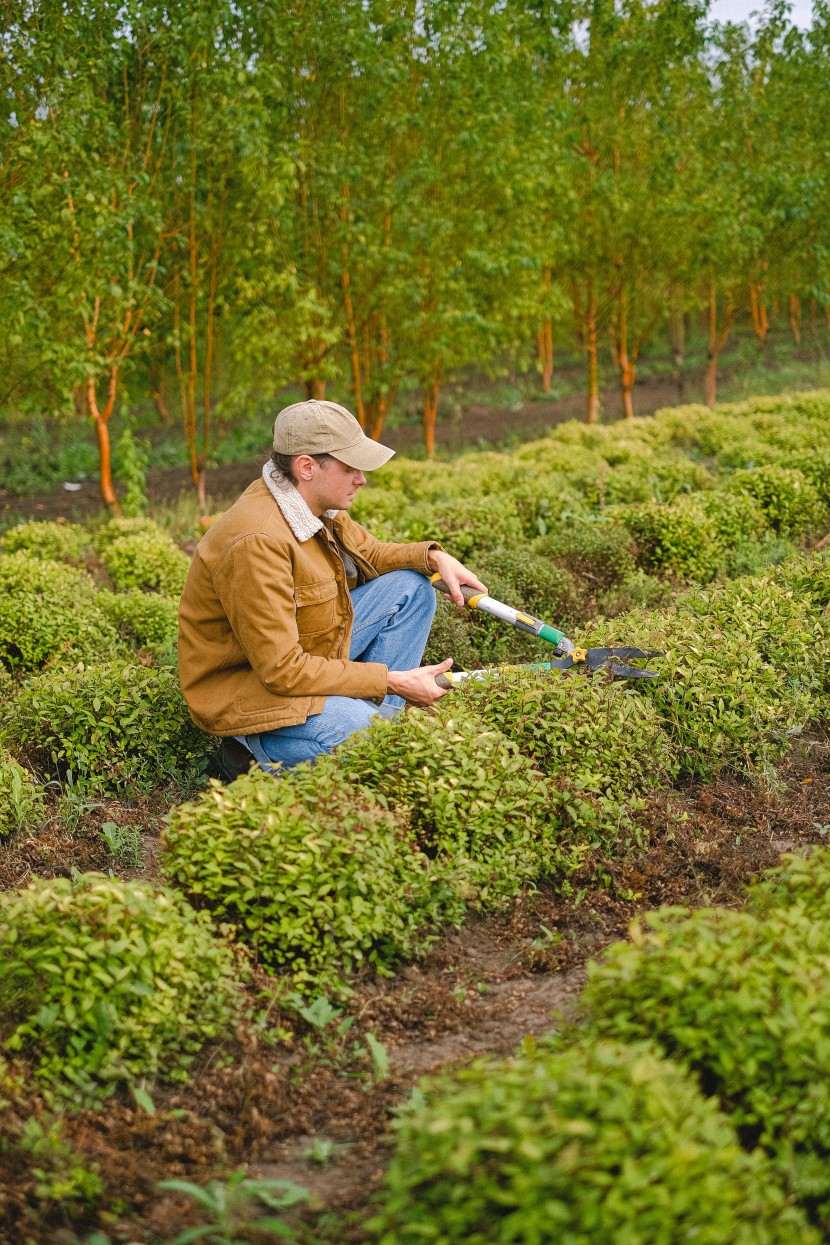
(320, 427)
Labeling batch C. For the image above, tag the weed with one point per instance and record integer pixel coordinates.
(227, 1205)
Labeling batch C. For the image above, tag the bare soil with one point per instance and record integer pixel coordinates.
(282, 1091)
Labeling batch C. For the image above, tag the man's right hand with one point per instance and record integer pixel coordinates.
(418, 687)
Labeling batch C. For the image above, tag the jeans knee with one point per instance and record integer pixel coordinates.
(419, 589)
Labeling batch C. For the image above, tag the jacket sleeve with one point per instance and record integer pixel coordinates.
(383, 555)
(255, 585)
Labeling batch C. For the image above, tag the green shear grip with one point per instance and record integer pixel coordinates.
(550, 633)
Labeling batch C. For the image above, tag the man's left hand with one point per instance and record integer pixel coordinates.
(454, 574)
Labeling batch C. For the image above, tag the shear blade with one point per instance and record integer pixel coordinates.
(620, 671)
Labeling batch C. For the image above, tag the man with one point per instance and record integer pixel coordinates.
(296, 626)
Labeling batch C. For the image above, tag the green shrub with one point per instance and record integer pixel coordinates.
(143, 620)
(117, 728)
(738, 518)
(602, 552)
(149, 563)
(797, 883)
(599, 1143)
(468, 527)
(21, 802)
(808, 577)
(680, 539)
(719, 702)
(745, 1002)
(60, 542)
(106, 981)
(789, 501)
(49, 615)
(116, 529)
(604, 736)
(475, 802)
(782, 625)
(317, 877)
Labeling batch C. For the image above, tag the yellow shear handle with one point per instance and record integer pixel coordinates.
(578, 654)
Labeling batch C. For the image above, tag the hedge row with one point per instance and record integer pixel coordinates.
(692, 1102)
(513, 778)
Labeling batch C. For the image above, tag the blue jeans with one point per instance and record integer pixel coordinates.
(392, 619)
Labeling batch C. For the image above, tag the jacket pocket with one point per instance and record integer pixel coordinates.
(316, 607)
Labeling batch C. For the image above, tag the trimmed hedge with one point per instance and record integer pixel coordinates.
(476, 804)
(317, 877)
(59, 542)
(745, 1003)
(105, 981)
(148, 562)
(143, 620)
(599, 1143)
(49, 615)
(117, 728)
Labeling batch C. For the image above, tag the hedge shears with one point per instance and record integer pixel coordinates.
(567, 653)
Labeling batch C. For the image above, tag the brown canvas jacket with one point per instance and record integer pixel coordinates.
(265, 619)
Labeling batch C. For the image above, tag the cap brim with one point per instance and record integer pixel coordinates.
(367, 455)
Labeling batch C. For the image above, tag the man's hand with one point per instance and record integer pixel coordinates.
(454, 574)
(418, 687)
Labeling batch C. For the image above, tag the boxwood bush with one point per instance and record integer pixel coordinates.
(21, 801)
(797, 883)
(679, 539)
(147, 562)
(791, 504)
(719, 702)
(59, 542)
(598, 1143)
(118, 728)
(475, 802)
(318, 878)
(105, 981)
(604, 736)
(744, 1001)
(49, 615)
(143, 620)
(601, 551)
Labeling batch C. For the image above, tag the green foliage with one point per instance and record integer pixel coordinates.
(131, 460)
(21, 801)
(49, 615)
(680, 539)
(59, 542)
(117, 528)
(319, 878)
(745, 1002)
(603, 737)
(118, 728)
(468, 526)
(106, 981)
(601, 1142)
(142, 620)
(146, 562)
(477, 805)
(803, 884)
(719, 701)
(61, 1175)
(790, 502)
(600, 551)
(227, 1205)
(738, 518)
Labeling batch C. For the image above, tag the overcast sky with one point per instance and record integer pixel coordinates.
(739, 10)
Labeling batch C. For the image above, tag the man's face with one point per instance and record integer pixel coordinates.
(336, 485)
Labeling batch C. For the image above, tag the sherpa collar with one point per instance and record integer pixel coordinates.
(294, 509)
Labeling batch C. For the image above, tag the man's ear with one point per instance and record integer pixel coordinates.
(304, 467)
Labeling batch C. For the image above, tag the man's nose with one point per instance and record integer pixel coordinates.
(358, 479)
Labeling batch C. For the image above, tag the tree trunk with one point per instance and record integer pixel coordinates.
(430, 416)
(626, 365)
(760, 320)
(100, 419)
(717, 340)
(795, 317)
(315, 388)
